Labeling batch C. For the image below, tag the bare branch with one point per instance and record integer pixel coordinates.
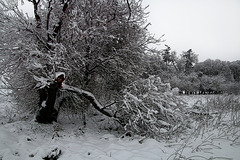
(37, 17)
(48, 18)
(129, 9)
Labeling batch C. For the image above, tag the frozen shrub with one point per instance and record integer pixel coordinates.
(150, 108)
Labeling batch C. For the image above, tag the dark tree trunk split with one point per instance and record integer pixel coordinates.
(47, 113)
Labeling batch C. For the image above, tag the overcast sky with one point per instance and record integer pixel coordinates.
(211, 28)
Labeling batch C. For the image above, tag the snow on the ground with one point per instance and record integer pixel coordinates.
(28, 140)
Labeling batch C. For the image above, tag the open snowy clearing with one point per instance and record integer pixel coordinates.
(28, 140)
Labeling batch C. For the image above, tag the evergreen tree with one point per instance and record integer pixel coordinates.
(190, 58)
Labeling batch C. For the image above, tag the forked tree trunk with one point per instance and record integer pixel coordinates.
(47, 113)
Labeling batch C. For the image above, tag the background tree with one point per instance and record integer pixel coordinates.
(235, 70)
(189, 59)
(215, 75)
(169, 57)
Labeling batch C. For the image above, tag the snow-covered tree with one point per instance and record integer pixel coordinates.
(169, 57)
(235, 69)
(99, 44)
(190, 59)
(15, 63)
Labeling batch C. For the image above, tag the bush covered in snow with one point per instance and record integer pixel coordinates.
(150, 108)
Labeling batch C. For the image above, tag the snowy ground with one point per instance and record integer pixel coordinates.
(28, 140)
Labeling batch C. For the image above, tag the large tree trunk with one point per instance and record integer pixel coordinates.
(47, 113)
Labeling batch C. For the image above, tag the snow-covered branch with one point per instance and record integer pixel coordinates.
(90, 97)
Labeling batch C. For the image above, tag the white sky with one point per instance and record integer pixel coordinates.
(211, 28)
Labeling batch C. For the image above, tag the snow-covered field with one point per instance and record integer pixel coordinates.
(28, 140)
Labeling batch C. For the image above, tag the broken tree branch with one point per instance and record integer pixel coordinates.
(91, 98)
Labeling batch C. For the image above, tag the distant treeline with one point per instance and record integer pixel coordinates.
(193, 77)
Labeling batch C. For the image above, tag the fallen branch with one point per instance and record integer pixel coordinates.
(89, 96)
